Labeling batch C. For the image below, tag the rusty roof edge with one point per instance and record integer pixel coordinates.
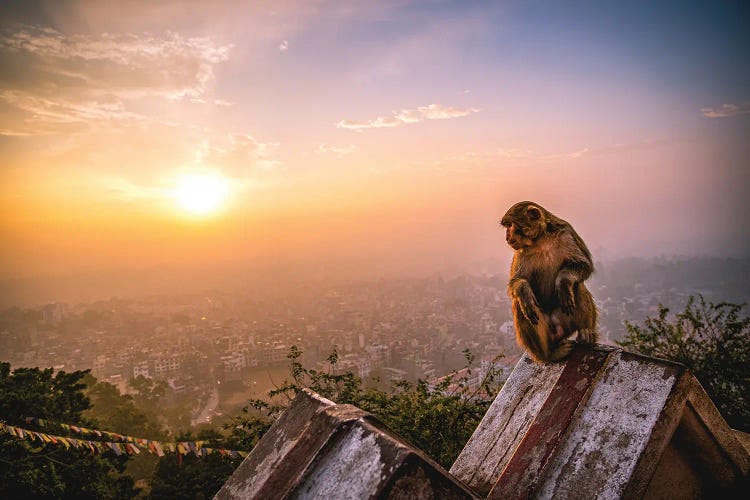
(717, 427)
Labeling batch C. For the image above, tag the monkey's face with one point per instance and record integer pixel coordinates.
(514, 235)
(523, 224)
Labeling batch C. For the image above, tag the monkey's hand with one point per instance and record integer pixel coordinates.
(528, 303)
(565, 295)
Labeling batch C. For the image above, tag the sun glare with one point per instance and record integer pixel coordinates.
(201, 194)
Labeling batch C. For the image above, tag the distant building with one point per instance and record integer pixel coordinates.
(168, 365)
(394, 374)
(234, 362)
(54, 313)
(176, 386)
(273, 353)
(141, 369)
(119, 382)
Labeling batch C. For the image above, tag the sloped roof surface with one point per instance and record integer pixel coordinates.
(318, 449)
(598, 425)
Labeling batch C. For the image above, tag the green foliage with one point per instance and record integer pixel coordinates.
(438, 420)
(190, 477)
(713, 340)
(34, 470)
(149, 393)
(118, 412)
(122, 413)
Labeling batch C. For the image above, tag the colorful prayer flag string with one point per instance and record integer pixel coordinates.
(84, 431)
(132, 446)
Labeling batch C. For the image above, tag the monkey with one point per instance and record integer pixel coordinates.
(549, 299)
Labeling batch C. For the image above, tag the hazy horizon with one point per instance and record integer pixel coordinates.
(185, 142)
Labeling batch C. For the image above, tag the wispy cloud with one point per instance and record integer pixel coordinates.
(337, 150)
(74, 78)
(61, 111)
(727, 110)
(511, 155)
(122, 48)
(408, 116)
(237, 155)
(531, 156)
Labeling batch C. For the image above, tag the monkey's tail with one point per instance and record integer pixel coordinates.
(562, 350)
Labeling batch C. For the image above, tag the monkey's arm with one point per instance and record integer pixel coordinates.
(576, 267)
(519, 289)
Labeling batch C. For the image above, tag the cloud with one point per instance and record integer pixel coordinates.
(511, 155)
(121, 48)
(15, 133)
(560, 156)
(62, 111)
(726, 110)
(59, 79)
(284, 46)
(529, 156)
(408, 116)
(337, 150)
(237, 155)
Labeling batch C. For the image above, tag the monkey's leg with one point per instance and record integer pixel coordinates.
(534, 339)
(584, 316)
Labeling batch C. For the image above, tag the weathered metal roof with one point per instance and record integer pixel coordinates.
(603, 424)
(318, 449)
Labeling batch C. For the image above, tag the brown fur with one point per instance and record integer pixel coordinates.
(550, 264)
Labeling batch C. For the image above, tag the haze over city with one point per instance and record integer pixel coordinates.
(172, 146)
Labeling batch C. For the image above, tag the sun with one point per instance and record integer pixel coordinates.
(201, 193)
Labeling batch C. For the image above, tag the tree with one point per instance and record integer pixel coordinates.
(149, 393)
(713, 340)
(115, 411)
(121, 413)
(190, 477)
(33, 470)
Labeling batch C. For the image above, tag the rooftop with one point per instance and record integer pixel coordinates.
(604, 422)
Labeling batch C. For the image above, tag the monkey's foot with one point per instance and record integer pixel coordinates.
(562, 351)
(587, 335)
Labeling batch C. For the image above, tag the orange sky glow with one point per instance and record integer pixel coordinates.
(368, 137)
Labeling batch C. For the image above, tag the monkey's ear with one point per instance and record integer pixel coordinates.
(533, 213)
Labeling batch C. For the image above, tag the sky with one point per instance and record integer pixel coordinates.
(145, 145)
